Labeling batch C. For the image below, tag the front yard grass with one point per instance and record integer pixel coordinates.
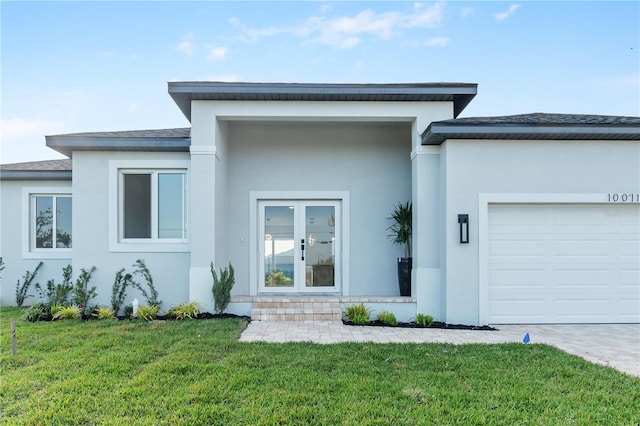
(195, 372)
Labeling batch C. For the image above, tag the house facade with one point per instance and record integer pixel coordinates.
(520, 219)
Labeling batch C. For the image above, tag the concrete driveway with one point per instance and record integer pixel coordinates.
(614, 345)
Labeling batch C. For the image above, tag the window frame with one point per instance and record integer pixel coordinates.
(29, 250)
(117, 170)
(155, 210)
(32, 222)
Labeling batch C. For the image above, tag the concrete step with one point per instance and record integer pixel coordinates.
(316, 309)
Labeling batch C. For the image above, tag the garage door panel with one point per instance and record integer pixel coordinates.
(563, 263)
(521, 247)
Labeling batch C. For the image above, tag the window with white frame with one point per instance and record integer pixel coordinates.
(152, 205)
(50, 222)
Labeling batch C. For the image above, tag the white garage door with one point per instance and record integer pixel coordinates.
(573, 263)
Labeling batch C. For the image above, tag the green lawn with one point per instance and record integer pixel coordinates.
(196, 372)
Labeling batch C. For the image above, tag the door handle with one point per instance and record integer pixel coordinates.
(302, 247)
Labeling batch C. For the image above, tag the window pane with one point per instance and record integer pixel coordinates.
(170, 205)
(44, 222)
(63, 222)
(137, 206)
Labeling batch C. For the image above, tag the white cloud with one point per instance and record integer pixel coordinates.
(437, 42)
(346, 32)
(25, 128)
(134, 107)
(187, 46)
(509, 12)
(217, 53)
(467, 11)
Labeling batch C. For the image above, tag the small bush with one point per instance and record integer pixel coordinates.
(119, 289)
(22, 289)
(82, 294)
(67, 312)
(152, 296)
(57, 294)
(128, 311)
(424, 320)
(147, 312)
(184, 311)
(103, 313)
(56, 308)
(37, 312)
(388, 318)
(222, 287)
(358, 314)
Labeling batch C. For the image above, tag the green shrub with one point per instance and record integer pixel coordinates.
(184, 311)
(103, 313)
(67, 312)
(222, 286)
(358, 314)
(57, 294)
(424, 320)
(119, 289)
(22, 289)
(152, 296)
(55, 308)
(388, 318)
(128, 311)
(82, 294)
(37, 312)
(147, 312)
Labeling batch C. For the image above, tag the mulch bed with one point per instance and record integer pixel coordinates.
(435, 324)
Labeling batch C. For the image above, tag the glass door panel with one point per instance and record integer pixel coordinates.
(279, 246)
(299, 246)
(320, 224)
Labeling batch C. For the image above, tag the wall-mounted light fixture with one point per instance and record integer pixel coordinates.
(463, 220)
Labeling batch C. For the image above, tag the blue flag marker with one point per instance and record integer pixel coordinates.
(526, 339)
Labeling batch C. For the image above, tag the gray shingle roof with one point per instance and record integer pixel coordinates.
(37, 170)
(181, 132)
(185, 92)
(536, 126)
(172, 140)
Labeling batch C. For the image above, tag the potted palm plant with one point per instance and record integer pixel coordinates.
(400, 233)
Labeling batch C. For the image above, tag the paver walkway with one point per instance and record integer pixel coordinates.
(614, 345)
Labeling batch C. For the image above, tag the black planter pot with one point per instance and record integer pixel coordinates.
(404, 275)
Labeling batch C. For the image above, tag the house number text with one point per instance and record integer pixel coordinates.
(615, 197)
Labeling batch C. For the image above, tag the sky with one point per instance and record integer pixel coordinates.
(74, 66)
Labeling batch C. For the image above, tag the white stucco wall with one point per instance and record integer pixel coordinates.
(93, 202)
(14, 245)
(471, 168)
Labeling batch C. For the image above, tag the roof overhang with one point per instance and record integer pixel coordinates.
(183, 93)
(169, 140)
(35, 175)
(37, 170)
(438, 132)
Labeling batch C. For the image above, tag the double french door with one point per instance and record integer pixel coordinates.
(299, 245)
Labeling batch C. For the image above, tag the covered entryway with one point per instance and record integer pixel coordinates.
(564, 263)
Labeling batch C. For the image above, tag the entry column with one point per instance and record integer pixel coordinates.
(426, 276)
(202, 203)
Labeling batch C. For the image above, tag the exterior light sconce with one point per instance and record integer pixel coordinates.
(463, 220)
